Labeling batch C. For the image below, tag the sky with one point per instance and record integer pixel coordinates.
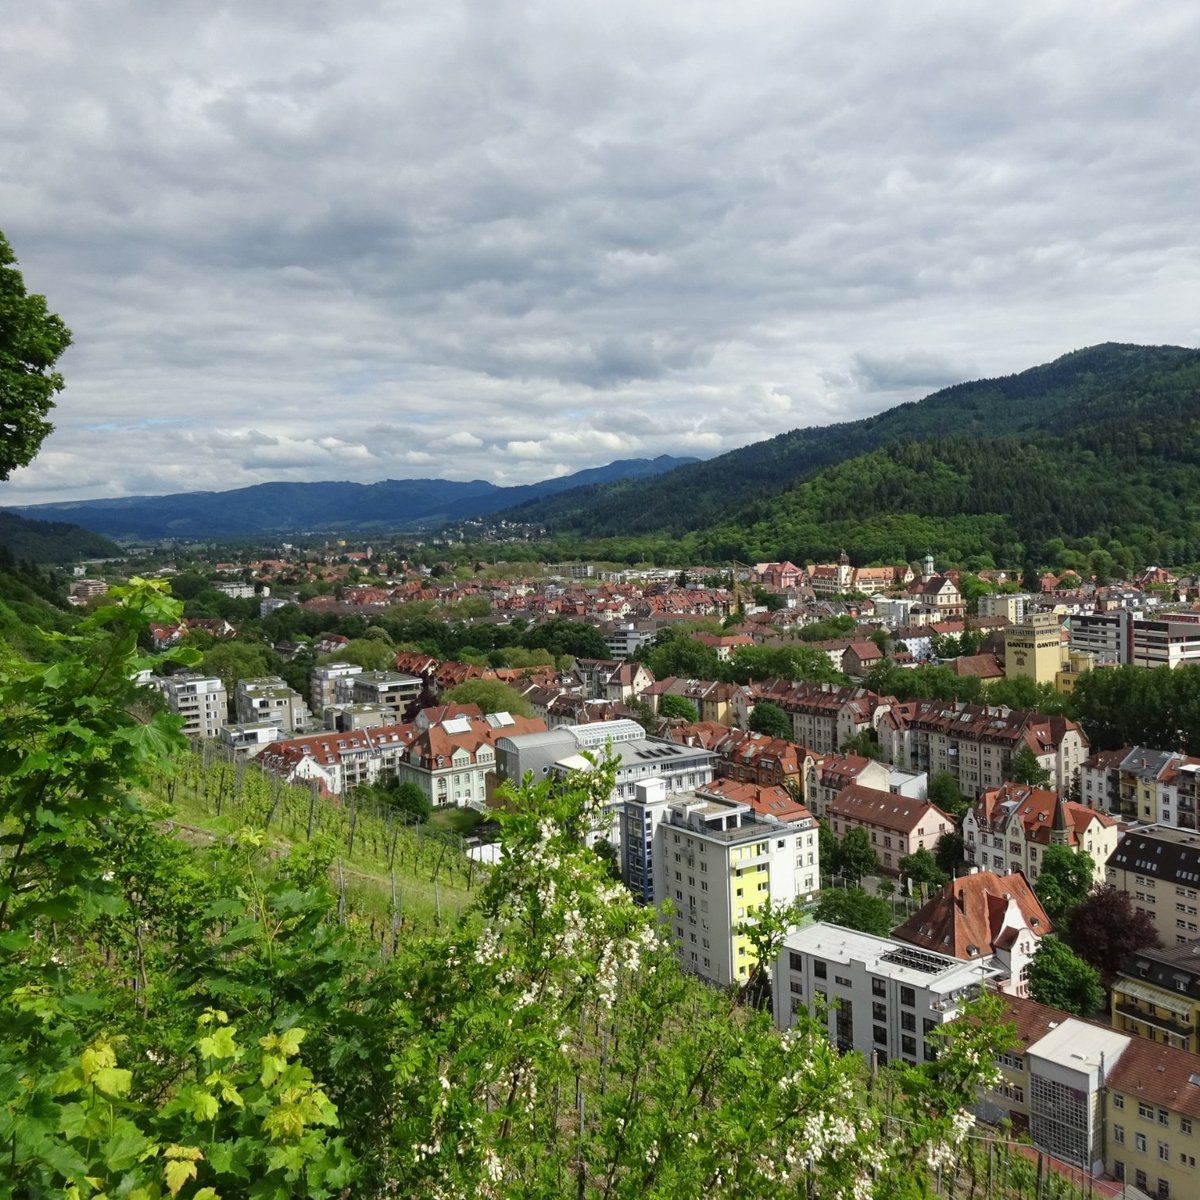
(350, 239)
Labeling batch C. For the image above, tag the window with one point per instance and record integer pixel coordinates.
(1146, 1110)
(796, 961)
(908, 1045)
(1164, 1152)
(908, 997)
(1118, 1101)
(1119, 1134)
(878, 987)
(1164, 1117)
(1139, 1141)
(1185, 1125)
(879, 1011)
(880, 1035)
(908, 1021)
(819, 970)
(842, 980)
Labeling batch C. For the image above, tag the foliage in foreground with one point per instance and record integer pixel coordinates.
(208, 1028)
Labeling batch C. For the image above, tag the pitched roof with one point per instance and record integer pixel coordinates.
(965, 919)
(1158, 1074)
(870, 806)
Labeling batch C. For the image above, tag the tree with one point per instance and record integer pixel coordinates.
(770, 719)
(234, 660)
(366, 652)
(949, 851)
(921, 868)
(408, 798)
(491, 695)
(677, 708)
(856, 857)
(1063, 882)
(1024, 768)
(947, 795)
(854, 908)
(1105, 928)
(865, 744)
(1059, 978)
(31, 341)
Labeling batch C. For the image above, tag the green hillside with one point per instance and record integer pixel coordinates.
(1101, 386)
(51, 541)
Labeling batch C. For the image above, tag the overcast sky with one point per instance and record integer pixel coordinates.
(312, 239)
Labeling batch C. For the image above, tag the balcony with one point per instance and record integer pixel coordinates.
(1125, 1008)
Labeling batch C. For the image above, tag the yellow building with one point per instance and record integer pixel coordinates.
(1157, 993)
(1153, 1120)
(1034, 649)
(1079, 663)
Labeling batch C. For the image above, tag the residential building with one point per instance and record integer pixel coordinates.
(975, 742)
(271, 699)
(1158, 867)
(391, 691)
(825, 717)
(248, 740)
(608, 679)
(982, 915)
(627, 639)
(1154, 787)
(896, 825)
(1011, 827)
(1157, 993)
(879, 996)
(718, 863)
(1153, 1111)
(828, 775)
(337, 760)
(1012, 606)
(322, 683)
(840, 578)
(201, 700)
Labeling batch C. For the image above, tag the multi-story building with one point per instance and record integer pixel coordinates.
(338, 760)
(1034, 649)
(975, 742)
(1158, 867)
(1011, 606)
(825, 717)
(559, 752)
(271, 699)
(879, 996)
(1011, 827)
(1123, 637)
(201, 700)
(1153, 1119)
(1157, 994)
(1155, 787)
(896, 825)
(718, 863)
(391, 691)
(626, 640)
(323, 682)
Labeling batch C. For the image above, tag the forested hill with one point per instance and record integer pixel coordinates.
(51, 541)
(1071, 394)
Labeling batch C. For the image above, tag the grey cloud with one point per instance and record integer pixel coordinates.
(685, 228)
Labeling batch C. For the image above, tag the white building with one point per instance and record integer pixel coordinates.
(718, 862)
(271, 699)
(201, 700)
(876, 995)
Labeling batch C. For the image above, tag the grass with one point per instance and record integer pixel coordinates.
(377, 854)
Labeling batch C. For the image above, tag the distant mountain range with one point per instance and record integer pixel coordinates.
(393, 504)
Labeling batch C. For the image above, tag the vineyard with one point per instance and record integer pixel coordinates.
(391, 876)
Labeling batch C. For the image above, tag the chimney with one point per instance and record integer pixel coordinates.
(962, 899)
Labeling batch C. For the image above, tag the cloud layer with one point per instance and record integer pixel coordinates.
(507, 240)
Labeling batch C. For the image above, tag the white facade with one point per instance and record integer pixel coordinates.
(200, 700)
(876, 995)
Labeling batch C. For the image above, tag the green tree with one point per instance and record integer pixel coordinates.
(367, 652)
(408, 798)
(236, 659)
(1064, 881)
(1059, 978)
(865, 744)
(856, 856)
(491, 695)
(854, 908)
(1104, 928)
(921, 868)
(1024, 768)
(31, 340)
(949, 852)
(770, 719)
(677, 708)
(947, 795)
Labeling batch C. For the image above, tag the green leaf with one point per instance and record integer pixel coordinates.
(177, 1172)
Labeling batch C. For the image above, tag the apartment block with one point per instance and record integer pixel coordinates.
(1122, 637)
(323, 683)
(718, 862)
(1157, 994)
(271, 699)
(879, 996)
(201, 701)
(1158, 867)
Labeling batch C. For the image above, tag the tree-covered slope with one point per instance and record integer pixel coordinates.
(51, 541)
(1071, 393)
(1127, 484)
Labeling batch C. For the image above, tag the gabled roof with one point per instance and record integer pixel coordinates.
(965, 919)
(870, 806)
(1160, 1075)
